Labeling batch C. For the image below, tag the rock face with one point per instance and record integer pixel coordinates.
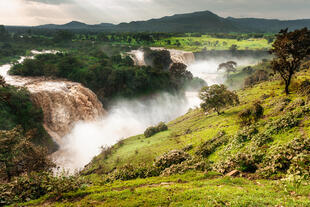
(63, 102)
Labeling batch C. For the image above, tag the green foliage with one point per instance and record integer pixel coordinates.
(16, 108)
(216, 97)
(158, 59)
(251, 115)
(257, 77)
(155, 129)
(281, 158)
(171, 158)
(18, 155)
(130, 172)
(290, 48)
(208, 147)
(25, 188)
(108, 77)
(304, 88)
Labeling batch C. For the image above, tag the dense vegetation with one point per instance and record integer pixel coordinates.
(17, 109)
(193, 160)
(109, 77)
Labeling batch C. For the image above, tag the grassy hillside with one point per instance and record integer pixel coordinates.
(263, 153)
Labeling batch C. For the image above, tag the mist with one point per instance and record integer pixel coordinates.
(131, 117)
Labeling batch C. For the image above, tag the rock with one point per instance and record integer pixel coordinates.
(233, 173)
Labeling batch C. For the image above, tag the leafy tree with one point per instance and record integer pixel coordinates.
(18, 155)
(179, 75)
(289, 49)
(229, 66)
(216, 97)
(233, 48)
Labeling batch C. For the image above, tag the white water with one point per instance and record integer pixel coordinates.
(131, 117)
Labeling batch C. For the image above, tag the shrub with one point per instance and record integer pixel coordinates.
(251, 115)
(300, 165)
(304, 88)
(130, 172)
(281, 157)
(150, 131)
(155, 129)
(170, 158)
(243, 135)
(258, 76)
(208, 147)
(192, 164)
(247, 161)
(25, 188)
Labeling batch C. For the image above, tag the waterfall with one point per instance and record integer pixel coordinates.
(63, 102)
(177, 56)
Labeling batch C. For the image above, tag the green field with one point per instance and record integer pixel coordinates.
(210, 43)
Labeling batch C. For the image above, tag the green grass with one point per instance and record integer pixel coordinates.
(193, 188)
(196, 44)
(190, 189)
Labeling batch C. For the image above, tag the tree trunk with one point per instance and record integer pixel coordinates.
(287, 84)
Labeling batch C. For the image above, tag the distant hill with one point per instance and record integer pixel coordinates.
(75, 25)
(204, 21)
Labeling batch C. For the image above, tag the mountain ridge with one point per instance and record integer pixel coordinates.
(201, 21)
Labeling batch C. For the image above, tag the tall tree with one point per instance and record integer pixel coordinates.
(289, 49)
(216, 97)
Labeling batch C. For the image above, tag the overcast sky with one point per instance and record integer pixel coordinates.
(35, 12)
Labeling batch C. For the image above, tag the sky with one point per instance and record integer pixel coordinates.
(37, 12)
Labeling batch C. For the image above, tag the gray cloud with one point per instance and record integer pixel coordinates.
(54, 2)
(33, 12)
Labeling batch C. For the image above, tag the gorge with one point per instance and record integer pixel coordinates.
(76, 120)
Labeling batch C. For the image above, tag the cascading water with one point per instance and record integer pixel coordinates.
(63, 102)
(79, 109)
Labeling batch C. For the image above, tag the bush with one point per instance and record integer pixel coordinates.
(258, 76)
(192, 164)
(130, 172)
(279, 160)
(251, 115)
(242, 136)
(155, 129)
(304, 88)
(208, 147)
(25, 188)
(171, 158)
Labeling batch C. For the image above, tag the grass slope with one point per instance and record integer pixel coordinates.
(194, 188)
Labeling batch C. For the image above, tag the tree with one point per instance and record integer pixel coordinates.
(229, 66)
(179, 75)
(216, 97)
(289, 49)
(233, 48)
(18, 155)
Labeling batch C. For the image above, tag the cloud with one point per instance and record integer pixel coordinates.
(55, 2)
(34, 12)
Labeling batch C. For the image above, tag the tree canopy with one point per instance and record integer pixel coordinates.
(289, 49)
(216, 97)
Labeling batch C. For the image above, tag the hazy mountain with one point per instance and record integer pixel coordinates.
(204, 21)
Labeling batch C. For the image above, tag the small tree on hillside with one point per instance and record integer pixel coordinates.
(229, 66)
(216, 97)
(289, 49)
